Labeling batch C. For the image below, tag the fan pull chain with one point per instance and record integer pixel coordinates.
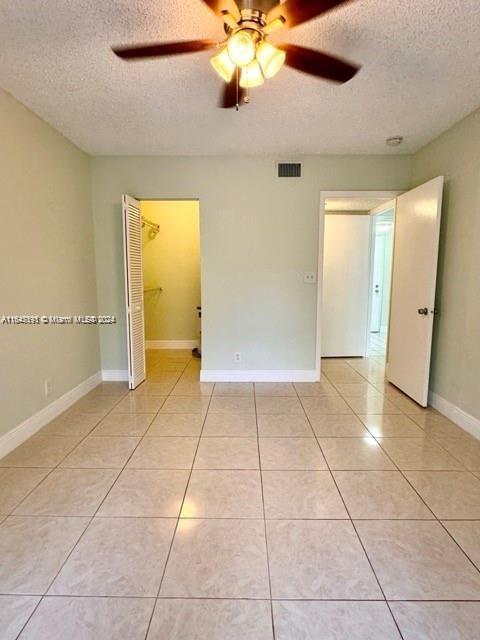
(236, 87)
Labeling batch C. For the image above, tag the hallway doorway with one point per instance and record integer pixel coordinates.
(357, 239)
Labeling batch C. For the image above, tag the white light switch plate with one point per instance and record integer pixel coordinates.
(309, 277)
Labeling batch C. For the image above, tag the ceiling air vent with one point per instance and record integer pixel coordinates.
(289, 170)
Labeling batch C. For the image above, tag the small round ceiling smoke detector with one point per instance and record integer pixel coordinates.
(394, 141)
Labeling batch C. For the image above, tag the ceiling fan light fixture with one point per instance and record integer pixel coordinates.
(251, 75)
(223, 65)
(241, 47)
(270, 58)
(245, 51)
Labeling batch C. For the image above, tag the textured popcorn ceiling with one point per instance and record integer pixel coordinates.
(421, 64)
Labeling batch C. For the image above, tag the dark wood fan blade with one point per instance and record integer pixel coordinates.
(298, 11)
(155, 50)
(219, 7)
(318, 64)
(229, 97)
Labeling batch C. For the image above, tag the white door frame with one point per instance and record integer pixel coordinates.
(324, 195)
(160, 199)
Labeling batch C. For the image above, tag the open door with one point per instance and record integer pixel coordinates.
(412, 310)
(132, 251)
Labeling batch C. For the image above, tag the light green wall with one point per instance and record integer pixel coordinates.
(258, 235)
(456, 349)
(171, 260)
(47, 262)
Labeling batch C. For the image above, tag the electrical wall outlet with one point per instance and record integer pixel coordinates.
(309, 277)
(237, 357)
(48, 387)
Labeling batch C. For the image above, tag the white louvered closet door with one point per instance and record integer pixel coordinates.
(132, 244)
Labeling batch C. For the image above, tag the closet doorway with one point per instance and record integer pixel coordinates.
(162, 282)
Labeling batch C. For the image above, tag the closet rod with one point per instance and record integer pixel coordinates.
(149, 223)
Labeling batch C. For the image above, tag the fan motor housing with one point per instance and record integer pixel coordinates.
(263, 6)
(251, 19)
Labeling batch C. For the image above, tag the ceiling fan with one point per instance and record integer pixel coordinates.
(246, 57)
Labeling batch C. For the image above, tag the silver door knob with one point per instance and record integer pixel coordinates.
(423, 311)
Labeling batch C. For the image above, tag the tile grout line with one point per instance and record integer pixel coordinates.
(52, 469)
(423, 501)
(446, 471)
(179, 512)
(57, 466)
(243, 598)
(435, 440)
(264, 518)
(260, 471)
(418, 494)
(436, 518)
(350, 519)
(82, 533)
(277, 519)
(157, 597)
(120, 470)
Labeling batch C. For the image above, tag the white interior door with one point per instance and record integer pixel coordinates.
(417, 230)
(378, 281)
(132, 245)
(346, 275)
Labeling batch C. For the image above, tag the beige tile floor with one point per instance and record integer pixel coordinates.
(184, 510)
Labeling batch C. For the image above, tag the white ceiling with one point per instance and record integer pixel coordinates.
(420, 58)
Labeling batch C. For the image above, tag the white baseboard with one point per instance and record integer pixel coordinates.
(114, 375)
(171, 344)
(455, 414)
(260, 375)
(31, 425)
